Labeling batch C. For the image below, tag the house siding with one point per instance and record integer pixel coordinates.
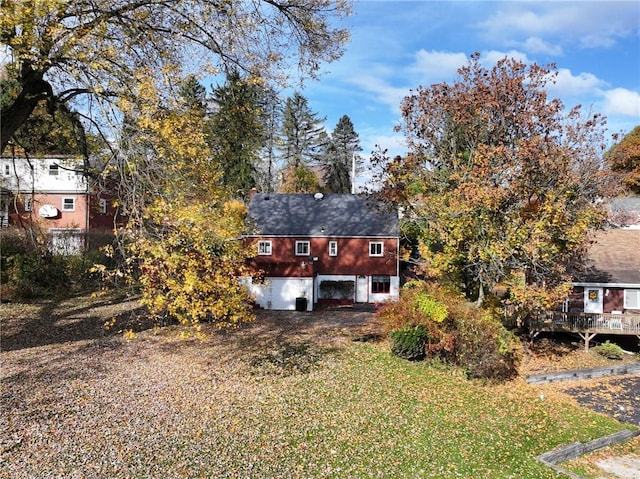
(352, 258)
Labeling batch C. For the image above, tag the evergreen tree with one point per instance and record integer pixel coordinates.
(340, 155)
(303, 136)
(193, 94)
(235, 132)
(271, 118)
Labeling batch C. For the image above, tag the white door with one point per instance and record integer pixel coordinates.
(593, 300)
(362, 289)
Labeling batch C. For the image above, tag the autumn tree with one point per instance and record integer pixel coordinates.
(501, 184)
(624, 159)
(340, 156)
(88, 53)
(120, 65)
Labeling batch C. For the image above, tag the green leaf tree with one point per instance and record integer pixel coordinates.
(502, 184)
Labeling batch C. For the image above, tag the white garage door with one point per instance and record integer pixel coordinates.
(281, 293)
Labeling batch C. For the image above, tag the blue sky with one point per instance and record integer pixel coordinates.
(398, 45)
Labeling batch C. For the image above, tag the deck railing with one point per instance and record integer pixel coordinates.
(605, 323)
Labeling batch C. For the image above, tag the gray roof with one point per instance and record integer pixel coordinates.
(335, 215)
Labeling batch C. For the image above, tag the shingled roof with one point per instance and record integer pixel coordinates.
(614, 257)
(334, 215)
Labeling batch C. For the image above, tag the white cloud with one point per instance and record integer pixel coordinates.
(436, 66)
(569, 85)
(491, 57)
(381, 89)
(621, 101)
(589, 24)
(538, 45)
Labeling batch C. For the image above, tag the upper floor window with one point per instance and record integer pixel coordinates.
(376, 248)
(68, 204)
(264, 247)
(7, 169)
(302, 248)
(102, 204)
(333, 248)
(632, 299)
(53, 170)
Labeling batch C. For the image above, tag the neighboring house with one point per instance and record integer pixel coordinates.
(624, 212)
(334, 248)
(53, 194)
(611, 281)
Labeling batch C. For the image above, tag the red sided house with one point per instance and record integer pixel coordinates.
(53, 194)
(611, 281)
(315, 249)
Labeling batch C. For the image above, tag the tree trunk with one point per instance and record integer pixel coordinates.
(34, 89)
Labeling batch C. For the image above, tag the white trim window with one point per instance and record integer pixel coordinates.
(333, 248)
(28, 203)
(102, 205)
(68, 203)
(264, 248)
(381, 284)
(54, 169)
(7, 169)
(376, 248)
(632, 299)
(303, 248)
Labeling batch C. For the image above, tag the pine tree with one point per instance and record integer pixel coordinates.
(271, 118)
(303, 135)
(235, 132)
(340, 155)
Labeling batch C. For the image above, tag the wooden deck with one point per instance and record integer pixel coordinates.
(586, 325)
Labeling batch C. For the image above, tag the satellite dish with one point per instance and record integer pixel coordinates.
(318, 196)
(48, 211)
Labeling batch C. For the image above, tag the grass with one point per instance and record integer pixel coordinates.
(291, 396)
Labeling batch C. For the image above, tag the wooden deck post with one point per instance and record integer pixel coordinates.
(587, 336)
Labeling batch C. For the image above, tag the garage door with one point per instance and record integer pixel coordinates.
(281, 293)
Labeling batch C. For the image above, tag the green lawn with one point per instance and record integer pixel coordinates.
(265, 403)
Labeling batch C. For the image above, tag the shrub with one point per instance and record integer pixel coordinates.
(451, 329)
(483, 347)
(409, 342)
(32, 274)
(610, 350)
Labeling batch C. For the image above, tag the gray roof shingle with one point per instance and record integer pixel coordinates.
(335, 215)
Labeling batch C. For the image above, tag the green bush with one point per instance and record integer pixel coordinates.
(410, 342)
(610, 350)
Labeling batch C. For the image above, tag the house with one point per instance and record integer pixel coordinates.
(54, 195)
(611, 280)
(314, 249)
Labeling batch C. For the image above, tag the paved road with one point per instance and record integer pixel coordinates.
(621, 399)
